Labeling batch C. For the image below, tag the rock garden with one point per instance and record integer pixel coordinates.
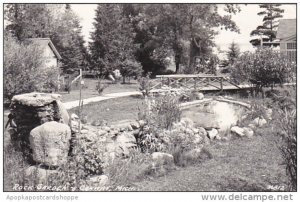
(172, 130)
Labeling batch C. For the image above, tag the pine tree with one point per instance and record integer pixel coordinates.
(233, 53)
(112, 41)
(271, 13)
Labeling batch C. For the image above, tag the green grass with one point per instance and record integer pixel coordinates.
(90, 89)
(113, 110)
(237, 165)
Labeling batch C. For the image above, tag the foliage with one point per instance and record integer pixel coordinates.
(271, 13)
(233, 53)
(52, 21)
(145, 85)
(130, 68)
(286, 123)
(112, 40)
(100, 86)
(263, 68)
(23, 69)
(165, 110)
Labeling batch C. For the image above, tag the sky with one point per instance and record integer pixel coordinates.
(247, 20)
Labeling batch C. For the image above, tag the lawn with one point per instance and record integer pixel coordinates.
(113, 110)
(89, 89)
(238, 165)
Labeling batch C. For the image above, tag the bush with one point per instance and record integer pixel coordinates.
(263, 68)
(145, 85)
(123, 172)
(130, 68)
(24, 71)
(287, 128)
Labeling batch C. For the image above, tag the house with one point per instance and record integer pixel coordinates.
(287, 36)
(50, 55)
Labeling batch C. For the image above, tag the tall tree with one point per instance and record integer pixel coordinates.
(233, 53)
(112, 41)
(271, 13)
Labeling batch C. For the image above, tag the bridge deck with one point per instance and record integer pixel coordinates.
(203, 82)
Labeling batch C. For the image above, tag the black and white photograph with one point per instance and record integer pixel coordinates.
(150, 97)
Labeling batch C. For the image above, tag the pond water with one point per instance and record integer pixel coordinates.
(215, 114)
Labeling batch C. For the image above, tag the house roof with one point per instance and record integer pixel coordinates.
(286, 29)
(43, 42)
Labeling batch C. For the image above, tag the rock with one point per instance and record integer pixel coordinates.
(195, 130)
(122, 145)
(187, 122)
(218, 137)
(135, 125)
(63, 112)
(35, 99)
(259, 122)
(75, 126)
(114, 132)
(193, 154)
(98, 181)
(84, 131)
(91, 136)
(50, 143)
(212, 133)
(248, 132)
(142, 123)
(268, 114)
(74, 117)
(251, 125)
(238, 130)
(40, 175)
(199, 96)
(160, 158)
(101, 132)
(129, 128)
(202, 132)
(105, 128)
(96, 123)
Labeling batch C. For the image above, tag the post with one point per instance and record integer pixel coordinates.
(221, 84)
(261, 41)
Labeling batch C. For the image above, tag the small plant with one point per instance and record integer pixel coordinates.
(125, 171)
(145, 85)
(100, 86)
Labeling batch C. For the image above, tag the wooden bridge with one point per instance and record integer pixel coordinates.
(199, 82)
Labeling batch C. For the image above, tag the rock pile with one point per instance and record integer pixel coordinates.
(30, 110)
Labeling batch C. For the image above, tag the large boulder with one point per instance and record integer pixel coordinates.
(160, 158)
(50, 143)
(238, 130)
(121, 144)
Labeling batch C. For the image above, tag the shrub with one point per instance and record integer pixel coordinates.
(263, 68)
(130, 68)
(100, 86)
(287, 128)
(23, 69)
(125, 171)
(145, 85)
(161, 112)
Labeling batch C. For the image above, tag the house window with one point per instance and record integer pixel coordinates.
(291, 45)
